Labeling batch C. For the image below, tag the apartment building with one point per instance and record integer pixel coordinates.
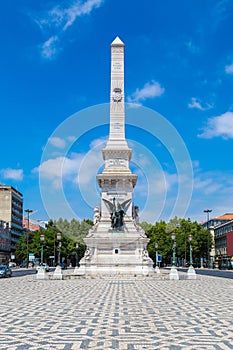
(11, 211)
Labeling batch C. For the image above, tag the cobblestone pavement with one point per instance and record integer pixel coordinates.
(145, 313)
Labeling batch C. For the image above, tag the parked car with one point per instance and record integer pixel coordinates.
(12, 264)
(44, 266)
(5, 271)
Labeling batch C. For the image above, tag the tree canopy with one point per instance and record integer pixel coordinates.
(71, 233)
(160, 233)
(75, 231)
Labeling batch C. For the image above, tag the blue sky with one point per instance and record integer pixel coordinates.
(54, 88)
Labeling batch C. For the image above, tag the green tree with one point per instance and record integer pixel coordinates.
(145, 225)
(160, 233)
(71, 233)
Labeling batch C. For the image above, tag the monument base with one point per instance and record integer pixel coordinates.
(112, 252)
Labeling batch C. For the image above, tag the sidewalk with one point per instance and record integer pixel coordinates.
(116, 313)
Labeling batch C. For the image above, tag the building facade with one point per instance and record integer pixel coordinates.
(221, 228)
(11, 211)
(34, 225)
(223, 237)
(5, 242)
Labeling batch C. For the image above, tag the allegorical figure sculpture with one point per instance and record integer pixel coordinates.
(87, 254)
(117, 216)
(145, 255)
(135, 214)
(96, 215)
(117, 213)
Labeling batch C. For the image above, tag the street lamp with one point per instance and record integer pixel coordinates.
(28, 211)
(77, 254)
(42, 249)
(173, 248)
(174, 273)
(156, 258)
(191, 271)
(59, 248)
(208, 211)
(191, 250)
(156, 253)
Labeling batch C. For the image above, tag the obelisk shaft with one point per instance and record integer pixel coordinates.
(117, 112)
(116, 181)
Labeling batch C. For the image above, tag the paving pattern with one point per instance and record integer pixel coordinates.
(126, 313)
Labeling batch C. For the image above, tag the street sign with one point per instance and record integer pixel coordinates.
(31, 256)
(159, 258)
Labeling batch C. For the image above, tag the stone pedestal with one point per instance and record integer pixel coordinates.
(174, 275)
(41, 274)
(112, 252)
(191, 273)
(57, 275)
(78, 271)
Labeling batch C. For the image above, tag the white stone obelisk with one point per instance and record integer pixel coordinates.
(113, 248)
(117, 154)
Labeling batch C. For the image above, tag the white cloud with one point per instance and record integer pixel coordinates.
(75, 168)
(71, 138)
(67, 16)
(59, 19)
(99, 143)
(229, 69)
(57, 142)
(214, 190)
(50, 48)
(220, 126)
(150, 90)
(59, 169)
(195, 103)
(12, 174)
(88, 170)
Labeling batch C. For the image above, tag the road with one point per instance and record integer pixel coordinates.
(205, 272)
(19, 272)
(212, 272)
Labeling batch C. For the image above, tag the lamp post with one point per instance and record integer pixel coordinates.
(173, 248)
(59, 248)
(77, 254)
(54, 249)
(42, 249)
(208, 211)
(76, 270)
(58, 272)
(191, 250)
(156, 258)
(174, 273)
(28, 211)
(191, 271)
